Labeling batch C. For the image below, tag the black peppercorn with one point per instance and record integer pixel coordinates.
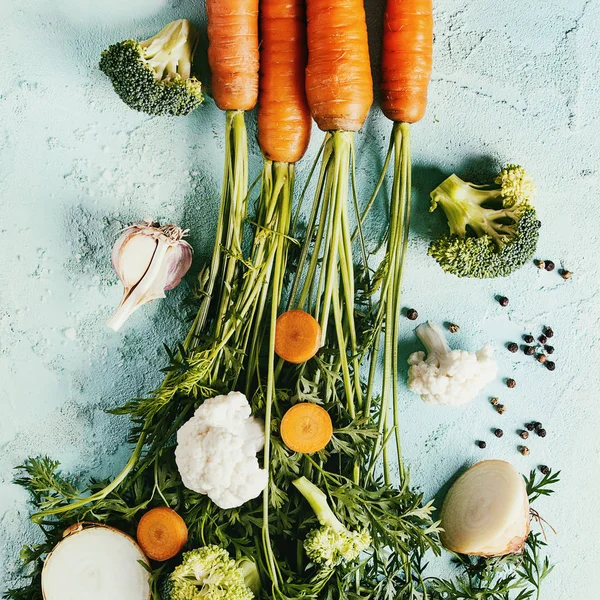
(549, 265)
(501, 409)
(453, 328)
(524, 434)
(529, 350)
(412, 314)
(540, 264)
(503, 301)
(550, 365)
(511, 383)
(549, 349)
(541, 358)
(513, 347)
(565, 274)
(498, 433)
(545, 469)
(524, 450)
(548, 331)
(541, 432)
(528, 339)
(481, 444)
(543, 339)
(494, 401)
(530, 426)
(537, 425)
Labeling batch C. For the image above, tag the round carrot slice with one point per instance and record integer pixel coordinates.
(306, 428)
(297, 336)
(162, 533)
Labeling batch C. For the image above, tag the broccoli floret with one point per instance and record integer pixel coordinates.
(494, 230)
(153, 76)
(208, 573)
(332, 543)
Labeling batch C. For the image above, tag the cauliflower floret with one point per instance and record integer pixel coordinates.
(216, 451)
(448, 377)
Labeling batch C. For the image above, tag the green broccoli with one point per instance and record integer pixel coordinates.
(208, 573)
(493, 229)
(332, 543)
(153, 76)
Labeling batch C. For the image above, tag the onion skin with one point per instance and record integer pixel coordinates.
(486, 511)
(78, 528)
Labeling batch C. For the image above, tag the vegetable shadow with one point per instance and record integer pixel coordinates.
(438, 498)
(424, 224)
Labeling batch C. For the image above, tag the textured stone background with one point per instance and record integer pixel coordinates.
(516, 82)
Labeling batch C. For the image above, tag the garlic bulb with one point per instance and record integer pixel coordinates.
(486, 511)
(149, 259)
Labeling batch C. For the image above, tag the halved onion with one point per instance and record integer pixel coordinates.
(95, 562)
(486, 511)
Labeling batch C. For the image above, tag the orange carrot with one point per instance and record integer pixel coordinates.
(406, 59)
(339, 86)
(283, 115)
(162, 533)
(306, 428)
(297, 336)
(233, 52)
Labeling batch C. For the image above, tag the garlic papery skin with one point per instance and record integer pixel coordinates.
(486, 511)
(149, 259)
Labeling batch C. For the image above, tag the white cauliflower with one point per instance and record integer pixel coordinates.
(448, 377)
(216, 451)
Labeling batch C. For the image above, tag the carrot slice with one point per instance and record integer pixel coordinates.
(162, 533)
(306, 428)
(297, 336)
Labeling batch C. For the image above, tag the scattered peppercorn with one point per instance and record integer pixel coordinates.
(529, 350)
(481, 444)
(549, 349)
(501, 409)
(545, 469)
(543, 339)
(537, 425)
(530, 426)
(453, 328)
(494, 401)
(550, 365)
(498, 433)
(503, 301)
(540, 264)
(524, 434)
(524, 450)
(412, 314)
(513, 347)
(548, 331)
(565, 274)
(528, 339)
(549, 265)
(511, 383)
(541, 358)
(541, 433)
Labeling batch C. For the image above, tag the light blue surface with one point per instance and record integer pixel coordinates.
(513, 82)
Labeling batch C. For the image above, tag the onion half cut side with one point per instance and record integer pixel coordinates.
(95, 562)
(486, 511)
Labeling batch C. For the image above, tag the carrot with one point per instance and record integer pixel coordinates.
(297, 336)
(306, 428)
(283, 114)
(339, 86)
(162, 533)
(233, 52)
(407, 59)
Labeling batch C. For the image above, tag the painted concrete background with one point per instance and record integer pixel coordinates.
(516, 82)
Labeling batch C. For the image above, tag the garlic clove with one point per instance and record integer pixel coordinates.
(139, 250)
(148, 259)
(179, 263)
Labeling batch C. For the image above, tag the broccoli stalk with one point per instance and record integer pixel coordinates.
(154, 76)
(332, 543)
(209, 573)
(493, 229)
